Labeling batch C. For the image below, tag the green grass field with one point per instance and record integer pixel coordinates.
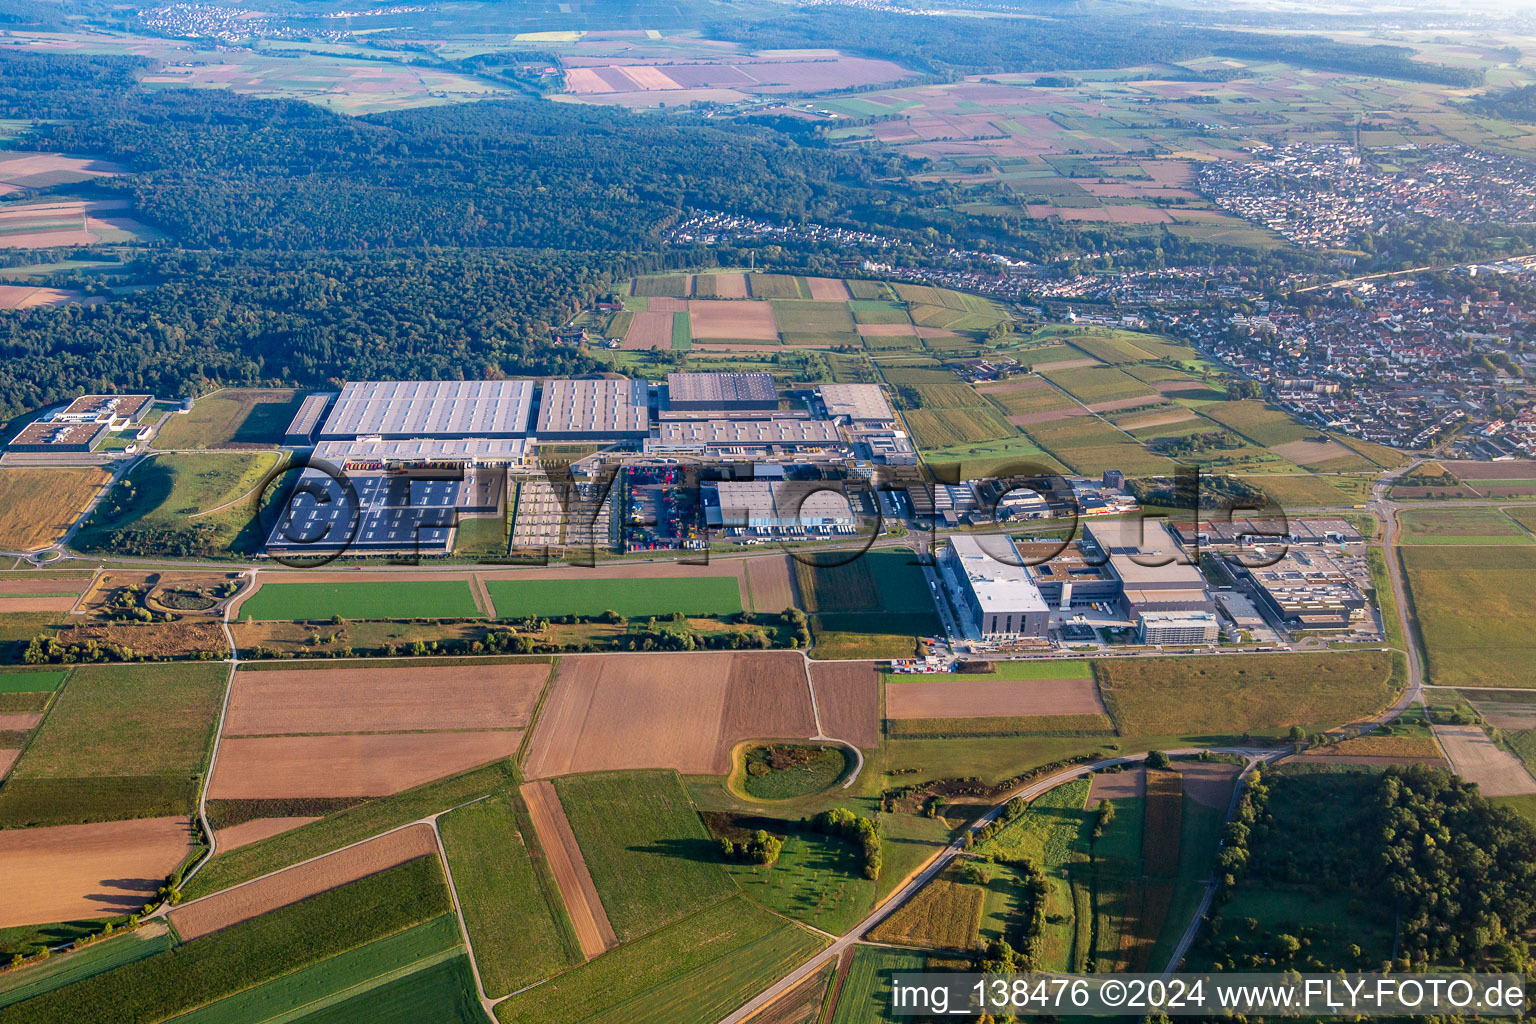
(150, 512)
(32, 682)
(1471, 603)
(341, 980)
(649, 854)
(517, 925)
(1460, 526)
(818, 880)
(249, 953)
(866, 994)
(704, 596)
(234, 417)
(777, 286)
(682, 332)
(1228, 695)
(694, 971)
(443, 993)
(119, 742)
(426, 599)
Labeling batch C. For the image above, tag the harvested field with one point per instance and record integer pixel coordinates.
(38, 505)
(748, 321)
(273, 767)
(827, 289)
(344, 700)
(886, 330)
(1130, 784)
(77, 872)
(36, 604)
(771, 580)
(848, 701)
(1310, 453)
(243, 902)
(649, 330)
(20, 171)
(256, 829)
(7, 759)
(1157, 419)
(1476, 758)
(27, 296)
(1124, 403)
(19, 723)
(720, 286)
(587, 915)
(681, 711)
(961, 698)
(667, 304)
(1208, 782)
(1162, 818)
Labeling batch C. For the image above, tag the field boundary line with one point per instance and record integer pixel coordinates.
(427, 820)
(458, 913)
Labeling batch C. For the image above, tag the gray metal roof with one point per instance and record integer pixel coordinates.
(598, 408)
(431, 408)
(721, 387)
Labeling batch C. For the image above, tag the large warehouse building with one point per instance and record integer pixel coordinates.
(594, 410)
(403, 410)
(721, 392)
(996, 593)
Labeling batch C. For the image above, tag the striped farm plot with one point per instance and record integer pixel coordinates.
(736, 320)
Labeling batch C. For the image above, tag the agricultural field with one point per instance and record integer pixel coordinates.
(61, 220)
(711, 596)
(1468, 603)
(226, 909)
(692, 972)
(118, 742)
(350, 823)
(37, 506)
(880, 593)
(255, 952)
(77, 965)
(517, 922)
(1200, 698)
(650, 856)
(945, 914)
(232, 418)
(1461, 526)
(848, 701)
(419, 599)
(87, 872)
(577, 893)
(678, 711)
(182, 505)
(866, 991)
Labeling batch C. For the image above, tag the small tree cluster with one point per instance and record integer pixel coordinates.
(839, 821)
(760, 848)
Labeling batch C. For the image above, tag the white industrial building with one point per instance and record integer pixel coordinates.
(1179, 628)
(994, 588)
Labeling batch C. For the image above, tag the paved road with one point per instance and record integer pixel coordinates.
(931, 870)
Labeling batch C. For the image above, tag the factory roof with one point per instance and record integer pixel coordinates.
(856, 401)
(431, 408)
(600, 408)
(725, 388)
(995, 576)
(418, 450)
(126, 407)
(747, 432)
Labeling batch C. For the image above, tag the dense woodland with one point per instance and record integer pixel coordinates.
(246, 318)
(1413, 852)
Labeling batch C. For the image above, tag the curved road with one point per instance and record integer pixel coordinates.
(941, 860)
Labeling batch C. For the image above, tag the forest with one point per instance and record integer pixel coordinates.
(310, 319)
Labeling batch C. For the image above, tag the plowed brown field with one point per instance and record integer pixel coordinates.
(827, 289)
(383, 699)
(77, 872)
(256, 829)
(992, 698)
(682, 711)
(1130, 784)
(243, 902)
(577, 890)
(273, 767)
(848, 701)
(772, 581)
